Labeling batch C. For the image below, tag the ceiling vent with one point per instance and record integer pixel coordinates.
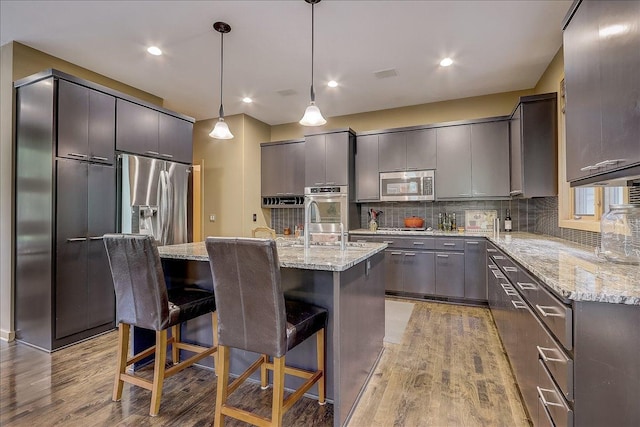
(287, 92)
(383, 74)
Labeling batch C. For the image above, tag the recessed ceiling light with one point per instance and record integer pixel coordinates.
(446, 62)
(332, 83)
(153, 50)
(247, 100)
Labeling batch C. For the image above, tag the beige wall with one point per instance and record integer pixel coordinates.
(550, 79)
(231, 175)
(498, 104)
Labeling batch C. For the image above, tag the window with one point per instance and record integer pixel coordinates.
(584, 202)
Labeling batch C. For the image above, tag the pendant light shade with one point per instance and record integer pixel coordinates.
(312, 115)
(221, 129)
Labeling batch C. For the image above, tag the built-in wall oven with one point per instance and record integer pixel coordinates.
(407, 186)
(327, 208)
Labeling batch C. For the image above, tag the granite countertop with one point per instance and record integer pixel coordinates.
(291, 253)
(425, 233)
(572, 271)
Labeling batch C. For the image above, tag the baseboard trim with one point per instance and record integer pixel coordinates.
(7, 335)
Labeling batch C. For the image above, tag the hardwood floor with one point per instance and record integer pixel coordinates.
(449, 370)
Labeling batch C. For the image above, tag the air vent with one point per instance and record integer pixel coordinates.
(383, 74)
(287, 92)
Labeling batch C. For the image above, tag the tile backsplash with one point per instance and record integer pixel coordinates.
(537, 215)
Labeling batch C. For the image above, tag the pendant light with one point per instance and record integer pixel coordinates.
(312, 115)
(221, 129)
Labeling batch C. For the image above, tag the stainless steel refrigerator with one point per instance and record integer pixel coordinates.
(155, 198)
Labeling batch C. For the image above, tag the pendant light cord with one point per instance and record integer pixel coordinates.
(313, 94)
(221, 113)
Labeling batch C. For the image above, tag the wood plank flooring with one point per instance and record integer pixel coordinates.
(449, 370)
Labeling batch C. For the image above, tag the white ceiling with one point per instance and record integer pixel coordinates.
(497, 46)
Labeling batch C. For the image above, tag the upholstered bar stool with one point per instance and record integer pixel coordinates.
(142, 300)
(254, 316)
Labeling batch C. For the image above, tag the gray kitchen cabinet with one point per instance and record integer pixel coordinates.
(282, 168)
(63, 287)
(453, 175)
(329, 158)
(143, 130)
(407, 150)
(86, 123)
(175, 139)
(475, 265)
(449, 274)
(367, 174)
(419, 272)
(534, 147)
(490, 159)
(602, 91)
(394, 270)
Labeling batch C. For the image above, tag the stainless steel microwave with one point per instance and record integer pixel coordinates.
(407, 186)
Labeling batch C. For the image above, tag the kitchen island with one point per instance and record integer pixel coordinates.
(349, 284)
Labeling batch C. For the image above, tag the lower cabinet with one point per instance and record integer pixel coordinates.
(450, 274)
(409, 271)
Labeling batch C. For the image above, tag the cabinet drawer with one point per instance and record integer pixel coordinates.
(511, 270)
(415, 243)
(449, 244)
(551, 399)
(557, 316)
(365, 239)
(559, 365)
(528, 286)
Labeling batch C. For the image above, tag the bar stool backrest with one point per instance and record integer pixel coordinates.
(138, 279)
(249, 298)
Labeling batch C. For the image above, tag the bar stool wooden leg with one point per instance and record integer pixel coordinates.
(264, 379)
(123, 352)
(223, 383)
(320, 356)
(214, 323)
(278, 391)
(175, 351)
(158, 371)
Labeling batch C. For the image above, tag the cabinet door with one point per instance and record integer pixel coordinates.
(583, 121)
(73, 120)
(136, 128)
(393, 270)
(101, 220)
(367, 176)
(71, 248)
(392, 151)
(475, 266)
(515, 144)
(293, 162)
(175, 139)
(102, 126)
(421, 149)
(490, 159)
(270, 169)
(620, 76)
(450, 274)
(337, 158)
(453, 176)
(315, 160)
(419, 273)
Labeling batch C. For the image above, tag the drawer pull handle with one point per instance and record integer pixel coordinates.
(526, 286)
(362, 241)
(168, 156)
(541, 352)
(418, 243)
(448, 244)
(473, 243)
(396, 253)
(511, 293)
(543, 310)
(511, 269)
(545, 402)
(103, 159)
(497, 274)
(519, 304)
(492, 250)
(498, 257)
(410, 253)
(388, 242)
(493, 267)
(442, 256)
(153, 153)
(77, 239)
(82, 156)
(96, 238)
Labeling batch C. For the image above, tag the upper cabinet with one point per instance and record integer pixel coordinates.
(329, 158)
(143, 130)
(367, 174)
(453, 175)
(407, 150)
(86, 123)
(283, 168)
(601, 60)
(534, 147)
(490, 159)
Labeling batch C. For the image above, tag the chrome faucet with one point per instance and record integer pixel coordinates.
(343, 240)
(307, 221)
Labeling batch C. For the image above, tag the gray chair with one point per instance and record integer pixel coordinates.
(253, 315)
(143, 300)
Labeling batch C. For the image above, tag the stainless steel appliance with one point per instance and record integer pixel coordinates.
(327, 208)
(407, 186)
(154, 197)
